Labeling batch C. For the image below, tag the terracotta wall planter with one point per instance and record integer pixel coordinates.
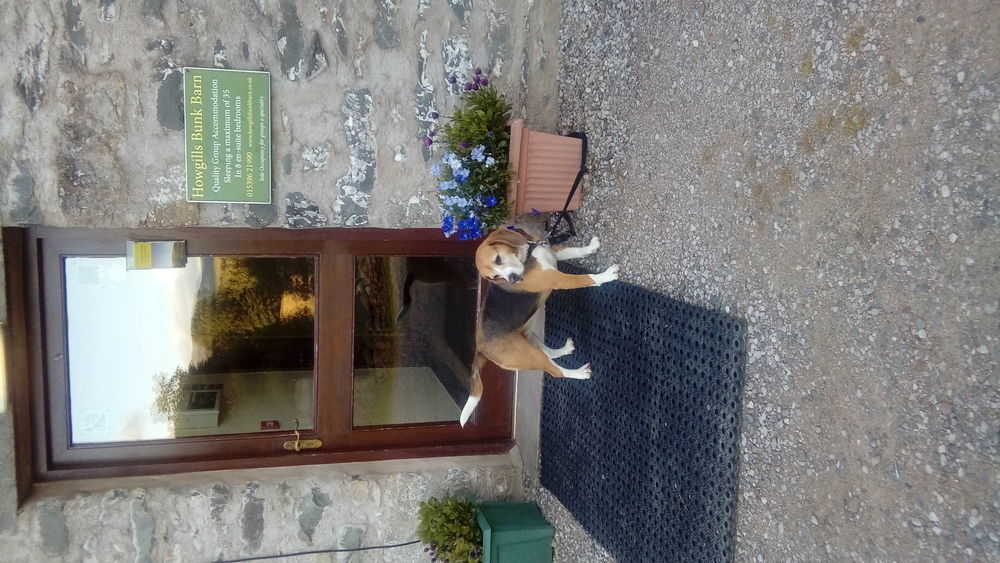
(543, 168)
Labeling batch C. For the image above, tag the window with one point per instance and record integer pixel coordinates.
(360, 338)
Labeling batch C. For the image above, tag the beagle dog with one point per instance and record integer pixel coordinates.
(522, 274)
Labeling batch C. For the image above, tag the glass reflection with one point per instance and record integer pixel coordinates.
(414, 338)
(223, 345)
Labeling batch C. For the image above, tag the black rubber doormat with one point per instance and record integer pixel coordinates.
(645, 454)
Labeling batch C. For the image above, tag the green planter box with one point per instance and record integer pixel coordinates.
(515, 532)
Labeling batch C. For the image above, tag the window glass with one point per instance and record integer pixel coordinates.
(223, 345)
(414, 338)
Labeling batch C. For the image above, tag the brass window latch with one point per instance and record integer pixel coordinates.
(299, 444)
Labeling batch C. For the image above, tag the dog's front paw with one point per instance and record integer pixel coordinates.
(609, 275)
(591, 248)
(568, 347)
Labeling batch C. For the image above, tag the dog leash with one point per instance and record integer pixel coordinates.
(559, 216)
(550, 236)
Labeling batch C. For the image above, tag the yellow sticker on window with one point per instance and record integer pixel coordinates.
(142, 253)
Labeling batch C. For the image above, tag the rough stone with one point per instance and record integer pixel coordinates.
(152, 9)
(355, 508)
(387, 24)
(311, 511)
(457, 62)
(31, 69)
(219, 499)
(108, 10)
(52, 528)
(219, 59)
(89, 172)
(425, 103)
(338, 27)
(252, 519)
(260, 215)
(317, 61)
(143, 528)
(301, 212)
(350, 537)
(462, 9)
(75, 30)
(498, 38)
(170, 101)
(422, 6)
(19, 197)
(351, 207)
(315, 158)
(291, 41)
(48, 56)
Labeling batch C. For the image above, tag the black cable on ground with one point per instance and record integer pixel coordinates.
(316, 552)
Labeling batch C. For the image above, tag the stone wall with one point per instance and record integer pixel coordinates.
(91, 135)
(232, 514)
(91, 108)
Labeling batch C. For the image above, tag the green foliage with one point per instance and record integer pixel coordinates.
(448, 525)
(168, 394)
(477, 140)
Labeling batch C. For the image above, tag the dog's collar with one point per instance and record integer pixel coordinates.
(535, 244)
(519, 231)
(532, 242)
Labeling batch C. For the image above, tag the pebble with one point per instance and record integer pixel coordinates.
(757, 161)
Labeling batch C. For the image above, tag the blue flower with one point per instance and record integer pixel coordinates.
(461, 174)
(456, 201)
(447, 185)
(469, 224)
(464, 235)
(436, 170)
(475, 233)
(464, 144)
(452, 160)
(490, 161)
(448, 226)
(479, 153)
(489, 201)
(535, 211)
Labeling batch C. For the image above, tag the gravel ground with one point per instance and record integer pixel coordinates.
(828, 171)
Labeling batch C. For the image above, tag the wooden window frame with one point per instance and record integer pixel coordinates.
(38, 383)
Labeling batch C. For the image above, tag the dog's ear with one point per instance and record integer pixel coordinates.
(509, 237)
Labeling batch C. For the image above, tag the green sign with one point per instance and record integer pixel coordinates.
(227, 135)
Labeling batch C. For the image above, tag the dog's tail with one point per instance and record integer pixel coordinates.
(407, 300)
(475, 389)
